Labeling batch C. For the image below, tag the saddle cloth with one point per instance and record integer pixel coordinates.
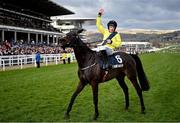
(114, 61)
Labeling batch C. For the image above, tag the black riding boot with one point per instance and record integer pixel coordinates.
(104, 58)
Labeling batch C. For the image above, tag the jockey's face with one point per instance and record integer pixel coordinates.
(111, 29)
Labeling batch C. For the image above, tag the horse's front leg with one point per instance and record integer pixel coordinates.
(95, 98)
(80, 87)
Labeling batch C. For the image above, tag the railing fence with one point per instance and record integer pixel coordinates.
(21, 60)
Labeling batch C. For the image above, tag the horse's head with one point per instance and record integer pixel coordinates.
(71, 39)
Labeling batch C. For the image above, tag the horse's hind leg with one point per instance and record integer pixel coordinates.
(80, 87)
(139, 92)
(123, 85)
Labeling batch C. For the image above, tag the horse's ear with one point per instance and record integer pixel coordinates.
(80, 31)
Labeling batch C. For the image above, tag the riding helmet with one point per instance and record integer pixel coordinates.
(112, 23)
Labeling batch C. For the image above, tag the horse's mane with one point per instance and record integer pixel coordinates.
(84, 45)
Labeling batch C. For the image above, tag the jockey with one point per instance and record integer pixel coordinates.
(111, 39)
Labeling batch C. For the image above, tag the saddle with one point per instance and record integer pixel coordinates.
(110, 62)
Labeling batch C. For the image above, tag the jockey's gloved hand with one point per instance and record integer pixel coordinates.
(100, 13)
(109, 41)
(100, 44)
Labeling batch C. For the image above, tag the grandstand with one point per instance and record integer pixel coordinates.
(69, 23)
(25, 29)
(29, 21)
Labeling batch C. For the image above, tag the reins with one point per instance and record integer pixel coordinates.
(85, 68)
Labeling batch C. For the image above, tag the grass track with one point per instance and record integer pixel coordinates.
(42, 94)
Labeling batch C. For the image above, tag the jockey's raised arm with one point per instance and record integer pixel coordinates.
(111, 38)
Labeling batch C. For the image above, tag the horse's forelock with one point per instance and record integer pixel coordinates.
(71, 33)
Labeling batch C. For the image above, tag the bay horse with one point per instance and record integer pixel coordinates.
(90, 72)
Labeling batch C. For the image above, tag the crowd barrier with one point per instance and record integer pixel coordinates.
(21, 60)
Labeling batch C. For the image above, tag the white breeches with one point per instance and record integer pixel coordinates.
(109, 51)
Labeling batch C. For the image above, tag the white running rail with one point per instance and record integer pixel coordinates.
(21, 60)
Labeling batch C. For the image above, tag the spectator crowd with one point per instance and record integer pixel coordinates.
(27, 49)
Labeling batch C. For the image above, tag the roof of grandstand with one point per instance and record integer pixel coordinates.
(46, 7)
(72, 18)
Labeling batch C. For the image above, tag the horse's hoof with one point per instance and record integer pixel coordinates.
(126, 108)
(66, 116)
(95, 117)
(143, 112)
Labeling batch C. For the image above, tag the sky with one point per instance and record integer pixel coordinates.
(130, 14)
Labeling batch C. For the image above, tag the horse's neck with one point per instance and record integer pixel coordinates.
(84, 55)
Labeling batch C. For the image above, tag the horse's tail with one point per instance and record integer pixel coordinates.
(141, 74)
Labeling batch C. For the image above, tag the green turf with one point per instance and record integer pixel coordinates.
(43, 94)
